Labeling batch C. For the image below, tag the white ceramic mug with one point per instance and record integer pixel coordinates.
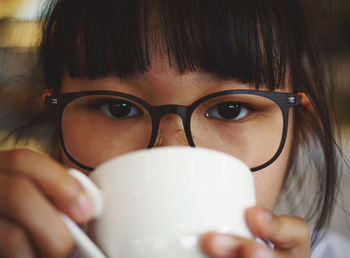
(158, 202)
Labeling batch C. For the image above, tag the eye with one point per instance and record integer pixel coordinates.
(231, 111)
(120, 109)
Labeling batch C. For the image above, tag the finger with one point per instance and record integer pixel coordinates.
(218, 245)
(22, 201)
(67, 194)
(14, 241)
(285, 232)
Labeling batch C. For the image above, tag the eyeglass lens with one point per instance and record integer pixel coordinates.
(96, 128)
(249, 127)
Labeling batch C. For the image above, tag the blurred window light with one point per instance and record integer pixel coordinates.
(30, 9)
(20, 34)
(9, 7)
(20, 24)
(21, 9)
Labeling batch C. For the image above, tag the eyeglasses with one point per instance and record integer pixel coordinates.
(251, 125)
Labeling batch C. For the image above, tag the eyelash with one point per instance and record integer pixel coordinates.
(105, 104)
(213, 112)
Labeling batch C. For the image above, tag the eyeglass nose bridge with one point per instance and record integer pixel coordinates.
(171, 109)
(159, 111)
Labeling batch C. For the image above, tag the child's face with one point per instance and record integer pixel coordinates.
(163, 85)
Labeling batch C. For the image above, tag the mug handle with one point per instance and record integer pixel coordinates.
(86, 246)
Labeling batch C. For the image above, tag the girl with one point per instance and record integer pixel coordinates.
(242, 77)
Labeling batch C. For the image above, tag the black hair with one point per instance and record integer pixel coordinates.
(267, 43)
(252, 41)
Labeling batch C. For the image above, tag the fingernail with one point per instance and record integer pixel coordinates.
(84, 208)
(264, 253)
(265, 216)
(223, 244)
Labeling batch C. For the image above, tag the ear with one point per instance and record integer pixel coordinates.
(305, 101)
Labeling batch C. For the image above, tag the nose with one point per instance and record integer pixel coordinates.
(171, 132)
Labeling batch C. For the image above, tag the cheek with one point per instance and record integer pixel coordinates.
(68, 163)
(269, 181)
(268, 184)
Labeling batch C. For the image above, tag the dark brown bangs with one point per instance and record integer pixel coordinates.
(252, 41)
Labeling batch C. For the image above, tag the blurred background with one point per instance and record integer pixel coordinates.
(20, 79)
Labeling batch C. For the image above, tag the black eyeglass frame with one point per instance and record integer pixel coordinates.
(284, 100)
